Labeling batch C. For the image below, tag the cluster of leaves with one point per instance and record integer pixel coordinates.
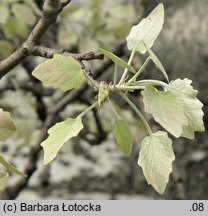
(91, 24)
(175, 108)
(16, 18)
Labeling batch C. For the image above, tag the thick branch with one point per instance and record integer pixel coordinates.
(51, 10)
(13, 60)
(49, 52)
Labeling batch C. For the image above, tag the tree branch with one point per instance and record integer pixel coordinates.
(13, 60)
(51, 10)
(49, 52)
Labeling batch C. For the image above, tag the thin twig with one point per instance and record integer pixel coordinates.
(49, 52)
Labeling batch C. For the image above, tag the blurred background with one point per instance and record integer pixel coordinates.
(91, 166)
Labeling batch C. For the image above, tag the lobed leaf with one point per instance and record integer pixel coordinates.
(7, 126)
(186, 95)
(146, 31)
(59, 134)
(10, 167)
(60, 72)
(123, 136)
(118, 61)
(3, 179)
(166, 109)
(155, 158)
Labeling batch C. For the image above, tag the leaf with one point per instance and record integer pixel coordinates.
(10, 167)
(59, 134)
(186, 95)
(166, 109)
(157, 62)
(7, 126)
(13, 28)
(3, 179)
(23, 13)
(102, 94)
(60, 72)
(146, 31)
(64, 33)
(118, 61)
(155, 158)
(86, 44)
(4, 13)
(123, 136)
(5, 49)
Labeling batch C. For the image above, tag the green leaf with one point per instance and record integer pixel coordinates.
(166, 109)
(157, 62)
(146, 31)
(186, 95)
(10, 167)
(86, 44)
(155, 158)
(103, 93)
(3, 179)
(58, 135)
(7, 127)
(118, 61)
(6, 49)
(23, 13)
(60, 72)
(13, 28)
(4, 13)
(123, 136)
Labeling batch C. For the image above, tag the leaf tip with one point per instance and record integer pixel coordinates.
(46, 159)
(24, 175)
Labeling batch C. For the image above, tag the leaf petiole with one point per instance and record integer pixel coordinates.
(115, 75)
(141, 85)
(137, 112)
(129, 88)
(139, 71)
(156, 61)
(113, 108)
(151, 82)
(93, 82)
(126, 70)
(88, 109)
